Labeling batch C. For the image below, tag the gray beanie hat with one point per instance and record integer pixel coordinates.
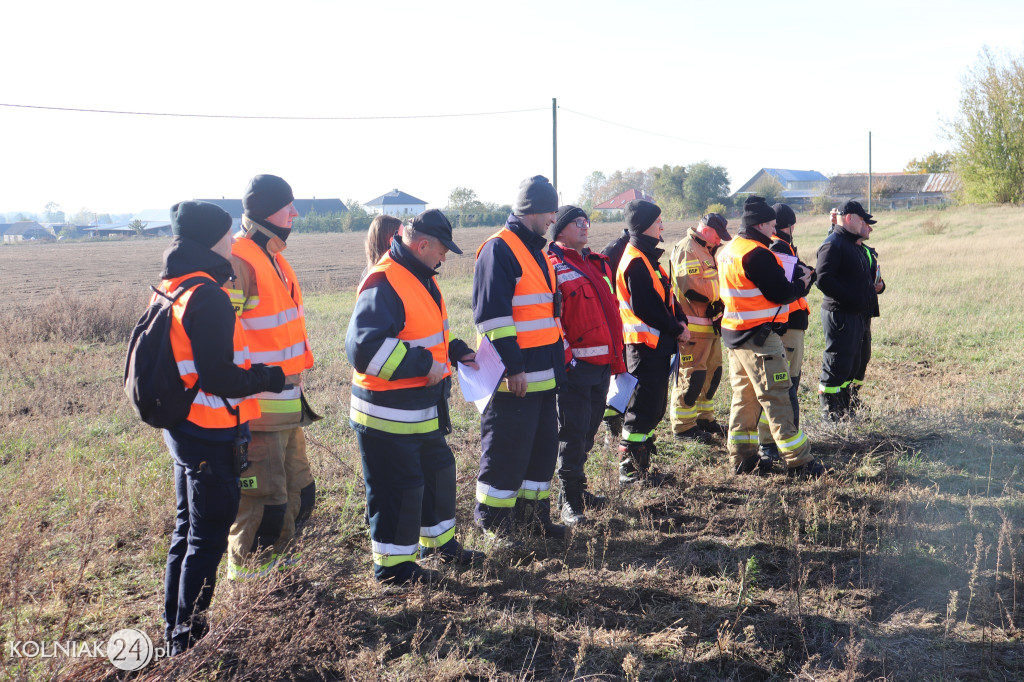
(536, 195)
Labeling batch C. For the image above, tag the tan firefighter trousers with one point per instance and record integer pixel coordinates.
(695, 384)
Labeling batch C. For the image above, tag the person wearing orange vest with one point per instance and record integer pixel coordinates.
(694, 275)
(796, 327)
(516, 306)
(278, 491)
(209, 346)
(590, 321)
(400, 351)
(757, 294)
(653, 326)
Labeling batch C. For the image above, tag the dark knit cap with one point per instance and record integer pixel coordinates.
(566, 214)
(199, 221)
(756, 211)
(784, 216)
(265, 196)
(536, 195)
(640, 215)
(719, 223)
(436, 224)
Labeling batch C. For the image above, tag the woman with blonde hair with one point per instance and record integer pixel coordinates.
(378, 238)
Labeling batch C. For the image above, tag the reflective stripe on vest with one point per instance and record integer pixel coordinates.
(426, 326)
(393, 419)
(208, 410)
(745, 306)
(532, 321)
(635, 330)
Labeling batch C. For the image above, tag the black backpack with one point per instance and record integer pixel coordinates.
(151, 377)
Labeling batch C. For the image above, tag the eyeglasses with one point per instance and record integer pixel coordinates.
(582, 223)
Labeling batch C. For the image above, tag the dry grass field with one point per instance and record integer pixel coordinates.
(905, 563)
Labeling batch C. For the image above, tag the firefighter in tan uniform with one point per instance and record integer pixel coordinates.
(757, 294)
(694, 275)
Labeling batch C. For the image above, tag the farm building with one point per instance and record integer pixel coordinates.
(896, 190)
(396, 203)
(152, 228)
(619, 201)
(24, 231)
(799, 187)
(303, 206)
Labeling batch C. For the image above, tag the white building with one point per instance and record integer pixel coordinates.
(396, 203)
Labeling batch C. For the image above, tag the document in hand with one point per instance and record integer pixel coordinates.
(620, 391)
(478, 385)
(788, 264)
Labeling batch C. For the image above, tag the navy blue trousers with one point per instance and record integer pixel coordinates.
(844, 341)
(410, 495)
(580, 410)
(207, 492)
(519, 443)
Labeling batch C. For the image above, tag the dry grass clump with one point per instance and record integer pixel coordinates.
(103, 316)
(934, 226)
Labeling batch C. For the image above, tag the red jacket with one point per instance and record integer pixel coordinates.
(590, 311)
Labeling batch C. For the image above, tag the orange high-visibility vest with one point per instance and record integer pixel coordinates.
(800, 303)
(275, 327)
(208, 410)
(745, 305)
(533, 301)
(635, 330)
(426, 326)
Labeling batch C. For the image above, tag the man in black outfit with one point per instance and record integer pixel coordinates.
(844, 277)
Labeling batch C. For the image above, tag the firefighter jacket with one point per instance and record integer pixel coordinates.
(590, 316)
(650, 315)
(209, 346)
(513, 305)
(844, 275)
(267, 297)
(398, 329)
(694, 275)
(799, 310)
(754, 288)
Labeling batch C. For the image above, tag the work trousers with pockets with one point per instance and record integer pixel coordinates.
(580, 410)
(206, 489)
(647, 406)
(760, 381)
(793, 342)
(277, 497)
(519, 443)
(696, 381)
(410, 495)
(844, 337)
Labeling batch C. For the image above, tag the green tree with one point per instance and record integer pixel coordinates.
(935, 162)
(667, 183)
(988, 131)
(137, 226)
(591, 186)
(53, 213)
(462, 201)
(705, 184)
(769, 188)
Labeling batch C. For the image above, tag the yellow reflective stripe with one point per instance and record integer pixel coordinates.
(387, 347)
(610, 412)
(493, 497)
(704, 405)
(437, 540)
(393, 361)
(391, 426)
(385, 554)
(793, 443)
(700, 328)
(763, 419)
(494, 323)
(271, 406)
(743, 436)
(543, 380)
(684, 412)
(501, 333)
(634, 437)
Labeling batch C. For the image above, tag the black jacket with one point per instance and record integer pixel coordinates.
(844, 276)
(614, 251)
(784, 245)
(647, 305)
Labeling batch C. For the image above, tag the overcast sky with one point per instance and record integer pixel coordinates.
(745, 85)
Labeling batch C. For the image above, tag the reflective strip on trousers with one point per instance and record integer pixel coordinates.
(743, 437)
(794, 443)
(435, 536)
(494, 497)
(535, 490)
(385, 554)
(634, 437)
(822, 388)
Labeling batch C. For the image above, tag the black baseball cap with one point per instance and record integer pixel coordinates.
(434, 223)
(854, 207)
(718, 223)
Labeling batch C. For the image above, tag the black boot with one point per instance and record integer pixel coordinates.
(572, 505)
(831, 405)
(613, 429)
(592, 502)
(711, 427)
(543, 526)
(634, 462)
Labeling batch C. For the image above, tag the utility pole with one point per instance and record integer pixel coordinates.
(554, 142)
(869, 171)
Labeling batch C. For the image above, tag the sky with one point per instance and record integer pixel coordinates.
(743, 85)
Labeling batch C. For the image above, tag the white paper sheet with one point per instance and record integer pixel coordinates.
(788, 264)
(478, 385)
(620, 390)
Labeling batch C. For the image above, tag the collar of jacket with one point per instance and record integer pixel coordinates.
(648, 245)
(184, 256)
(697, 238)
(566, 254)
(751, 233)
(784, 237)
(531, 239)
(848, 236)
(401, 254)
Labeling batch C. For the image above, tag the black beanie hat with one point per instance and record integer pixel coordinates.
(536, 195)
(756, 211)
(640, 215)
(265, 196)
(566, 214)
(784, 216)
(199, 221)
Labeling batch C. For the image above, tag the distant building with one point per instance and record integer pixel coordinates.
(26, 230)
(619, 201)
(896, 190)
(396, 203)
(799, 187)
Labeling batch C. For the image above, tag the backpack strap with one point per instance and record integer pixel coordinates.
(182, 288)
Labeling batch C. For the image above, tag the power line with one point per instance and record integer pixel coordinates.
(269, 118)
